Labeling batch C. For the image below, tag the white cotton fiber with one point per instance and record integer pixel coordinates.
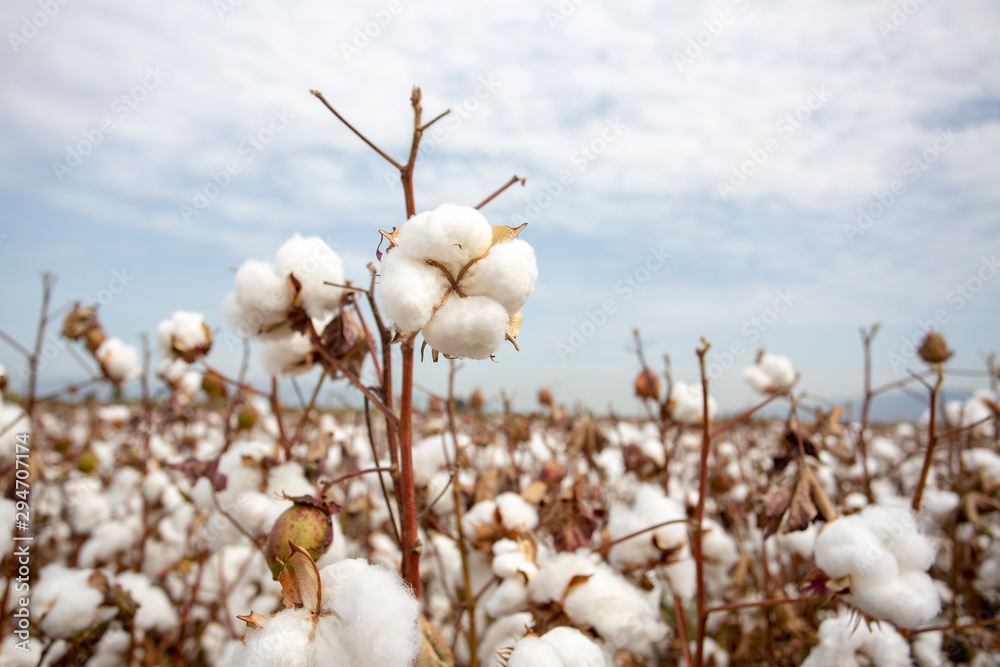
(555, 574)
(516, 512)
(502, 633)
(287, 355)
(314, 264)
(119, 361)
(533, 652)
(261, 298)
(887, 559)
(410, 289)
(13, 422)
(686, 404)
(574, 648)
(471, 328)
(66, 603)
(507, 275)
(156, 611)
(186, 329)
(771, 374)
(451, 235)
(843, 638)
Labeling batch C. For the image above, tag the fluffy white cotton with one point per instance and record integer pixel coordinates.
(982, 460)
(574, 648)
(502, 633)
(533, 652)
(119, 361)
(369, 620)
(451, 235)
(771, 374)
(472, 327)
(926, 648)
(411, 290)
(66, 603)
(515, 514)
(289, 355)
(314, 264)
(264, 292)
(173, 371)
(887, 559)
(686, 404)
(156, 612)
(13, 422)
(260, 301)
(184, 329)
(973, 411)
(424, 288)
(844, 638)
(507, 275)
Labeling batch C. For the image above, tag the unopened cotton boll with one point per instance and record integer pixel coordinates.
(120, 362)
(507, 275)
(472, 327)
(771, 374)
(314, 264)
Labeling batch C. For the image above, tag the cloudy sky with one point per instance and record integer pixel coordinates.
(772, 174)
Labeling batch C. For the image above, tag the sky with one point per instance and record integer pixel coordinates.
(769, 175)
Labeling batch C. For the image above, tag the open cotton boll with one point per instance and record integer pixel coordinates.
(516, 512)
(574, 648)
(13, 422)
(261, 298)
(771, 374)
(156, 611)
(555, 573)
(843, 639)
(289, 355)
(686, 404)
(411, 290)
(188, 330)
(980, 459)
(507, 275)
(502, 633)
(471, 328)
(314, 264)
(451, 235)
(173, 370)
(533, 652)
(119, 361)
(66, 603)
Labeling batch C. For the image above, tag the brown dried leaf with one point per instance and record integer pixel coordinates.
(514, 328)
(775, 506)
(801, 511)
(535, 492)
(255, 620)
(306, 577)
(820, 498)
(503, 233)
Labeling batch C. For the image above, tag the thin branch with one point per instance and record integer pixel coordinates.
(14, 344)
(604, 548)
(351, 128)
(514, 179)
(744, 416)
(435, 119)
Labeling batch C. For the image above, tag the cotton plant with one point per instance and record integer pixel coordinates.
(458, 281)
(847, 641)
(119, 361)
(771, 374)
(184, 336)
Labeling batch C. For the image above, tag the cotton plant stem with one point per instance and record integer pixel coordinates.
(276, 409)
(866, 338)
(931, 440)
(408, 500)
(604, 548)
(457, 491)
(699, 555)
(514, 179)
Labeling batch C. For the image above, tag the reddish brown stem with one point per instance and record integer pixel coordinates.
(514, 179)
(604, 548)
(408, 501)
(699, 555)
(931, 441)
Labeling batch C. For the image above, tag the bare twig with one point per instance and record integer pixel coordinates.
(514, 179)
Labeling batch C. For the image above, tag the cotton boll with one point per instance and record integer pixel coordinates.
(574, 648)
(110, 539)
(848, 545)
(286, 640)
(980, 459)
(472, 327)
(290, 355)
(13, 423)
(156, 611)
(842, 639)
(411, 290)
(908, 600)
(119, 361)
(173, 370)
(66, 603)
(510, 597)
(771, 374)
(314, 264)
(261, 299)
(926, 649)
(516, 512)
(554, 575)
(451, 235)
(502, 633)
(686, 404)
(507, 275)
(533, 652)
(188, 330)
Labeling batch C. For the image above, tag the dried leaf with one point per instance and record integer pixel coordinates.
(306, 576)
(255, 620)
(820, 498)
(514, 328)
(435, 651)
(503, 233)
(775, 506)
(392, 236)
(535, 492)
(801, 511)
